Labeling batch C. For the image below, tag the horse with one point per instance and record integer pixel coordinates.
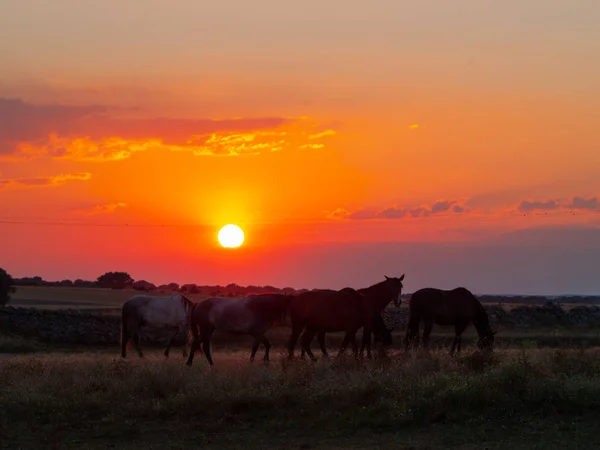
(253, 315)
(323, 311)
(380, 333)
(162, 312)
(458, 307)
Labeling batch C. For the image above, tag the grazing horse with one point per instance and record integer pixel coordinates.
(252, 315)
(457, 307)
(324, 311)
(380, 332)
(164, 312)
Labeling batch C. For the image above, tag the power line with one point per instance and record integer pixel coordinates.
(509, 215)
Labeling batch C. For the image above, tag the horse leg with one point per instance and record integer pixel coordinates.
(344, 344)
(124, 335)
(352, 338)
(366, 342)
(206, 333)
(302, 351)
(308, 337)
(412, 331)
(267, 345)
(427, 327)
(137, 338)
(296, 330)
(257, 340)
(459, 328)
(171, 342)
(321, 339)
(194, 342)
(186, 344)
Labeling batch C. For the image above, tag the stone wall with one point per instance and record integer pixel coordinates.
(96, 328)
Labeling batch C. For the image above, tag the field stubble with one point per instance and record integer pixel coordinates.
(534, 398)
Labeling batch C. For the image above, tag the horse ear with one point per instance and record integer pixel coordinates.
(386, 277)
(402, 277)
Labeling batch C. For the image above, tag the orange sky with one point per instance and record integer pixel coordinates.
(130, 149)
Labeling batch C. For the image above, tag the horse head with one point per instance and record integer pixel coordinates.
(486, 339)
(395, 286)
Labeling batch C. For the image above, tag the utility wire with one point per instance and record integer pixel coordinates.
(509, 215)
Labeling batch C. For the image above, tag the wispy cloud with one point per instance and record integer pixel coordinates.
(57, 180)
(108, 208)
(398, 212)
(91, 133)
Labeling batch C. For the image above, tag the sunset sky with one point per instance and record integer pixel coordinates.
(457, 142)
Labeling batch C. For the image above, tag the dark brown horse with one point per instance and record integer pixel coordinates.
(252, 315)
(458, 307)
(324, 311)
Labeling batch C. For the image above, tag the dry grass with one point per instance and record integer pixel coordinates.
(512, 399)
(45, 297)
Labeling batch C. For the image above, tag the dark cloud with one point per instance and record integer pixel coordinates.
(527, 206)
(394, 212)
(443, 206)
(590, 204)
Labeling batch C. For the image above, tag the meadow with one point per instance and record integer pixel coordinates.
(521, 396)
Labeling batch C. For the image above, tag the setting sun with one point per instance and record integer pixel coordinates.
(231, 236)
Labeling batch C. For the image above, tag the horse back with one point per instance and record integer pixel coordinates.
(241, 314)
(157, 311)
(329, 310)
(444, 306)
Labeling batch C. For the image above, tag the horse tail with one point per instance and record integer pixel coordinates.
(124, 332)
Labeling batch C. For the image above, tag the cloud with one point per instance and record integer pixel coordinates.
(96, 133)
(590, 204)
(454, 207)
(442, 206)
(577, 203)
(57, 180)
(396, 212)
(322, 134)
(108, 208)
(527, 206)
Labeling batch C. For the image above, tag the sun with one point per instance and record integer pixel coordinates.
(231, 236)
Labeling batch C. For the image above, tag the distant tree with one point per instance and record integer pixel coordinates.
(7, 287)
(143, 285)
(173, 286)
(115, 280)
(65, 283)
(84, 283)
(189, 289)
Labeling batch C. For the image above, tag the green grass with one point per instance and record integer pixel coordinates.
(512, 399)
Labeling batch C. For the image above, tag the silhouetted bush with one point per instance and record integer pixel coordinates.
(7, 287)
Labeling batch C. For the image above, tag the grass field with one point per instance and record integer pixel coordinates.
(520, 397)
(517, 399)
(76, 298)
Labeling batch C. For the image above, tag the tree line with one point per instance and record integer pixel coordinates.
(123, 280)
